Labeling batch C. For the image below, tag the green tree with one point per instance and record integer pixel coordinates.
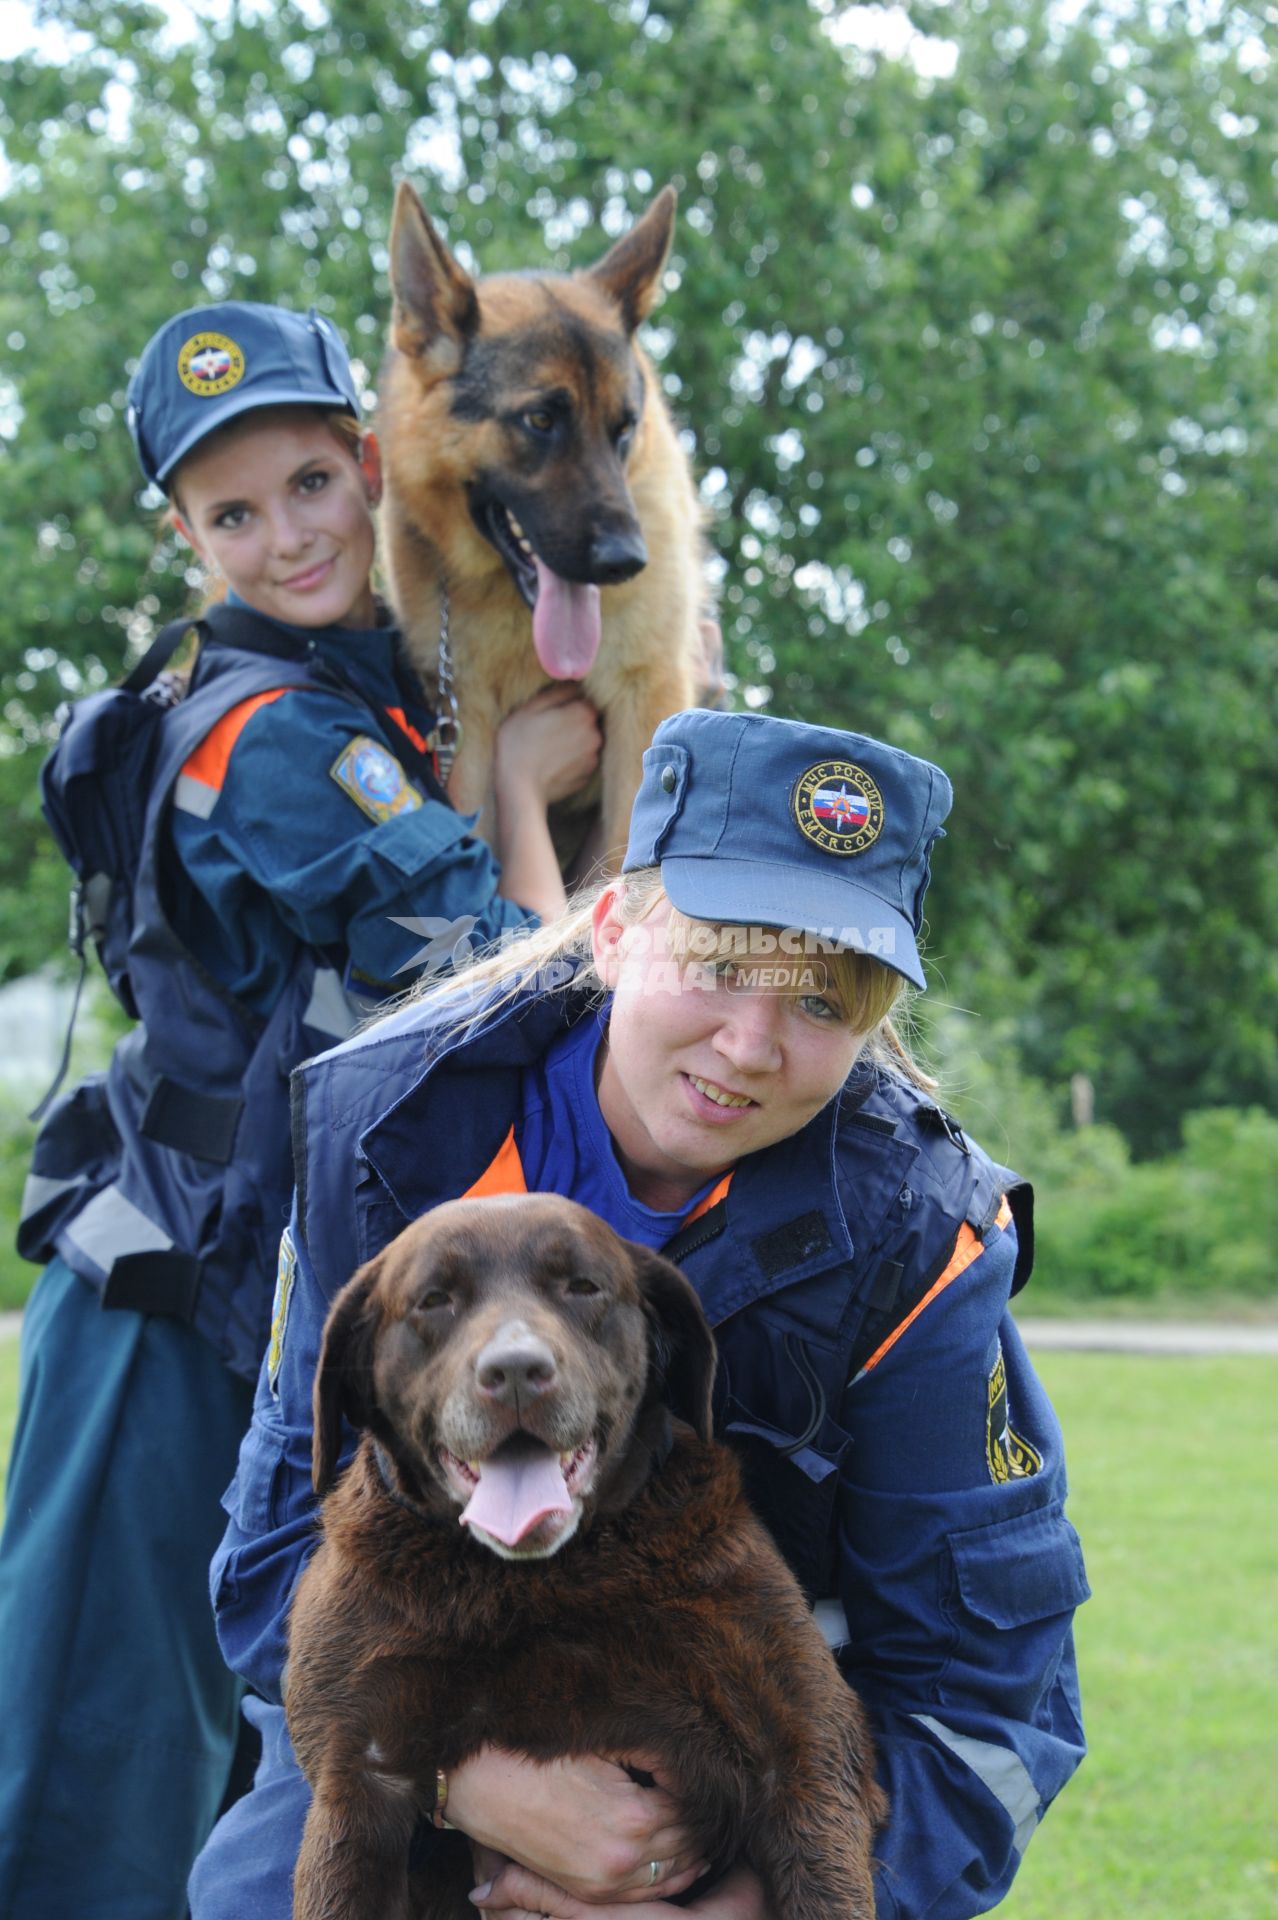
(973, 350)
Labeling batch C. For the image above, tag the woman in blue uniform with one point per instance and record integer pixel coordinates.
(301, 861)
(704, 1054)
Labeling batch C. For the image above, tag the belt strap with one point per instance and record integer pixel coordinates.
(161, 1280)
(201, 1124)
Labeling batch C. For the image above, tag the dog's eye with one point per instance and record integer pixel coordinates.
(625, 434)
(432, 1301)
(581, 1286)
(539, 420)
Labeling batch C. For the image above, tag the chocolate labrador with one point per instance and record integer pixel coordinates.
(538, 1544)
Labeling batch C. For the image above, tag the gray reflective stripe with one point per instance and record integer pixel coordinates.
(998, 1768)
(193, 796)
(330, 1008)
(98, 889)
(111, 1225)
(40, 1190)
(833, 1622)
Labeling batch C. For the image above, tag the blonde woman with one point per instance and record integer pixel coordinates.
(704, 1054)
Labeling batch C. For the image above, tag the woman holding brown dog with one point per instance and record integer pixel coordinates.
(704, 1055)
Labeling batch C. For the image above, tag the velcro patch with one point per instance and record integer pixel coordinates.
(1008, 1455)
(285, 1274)
(787, 1246)
(374, 779)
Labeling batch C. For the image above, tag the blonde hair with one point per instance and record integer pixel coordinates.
(550, 958)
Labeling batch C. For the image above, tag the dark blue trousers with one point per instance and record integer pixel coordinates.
(118, 1718)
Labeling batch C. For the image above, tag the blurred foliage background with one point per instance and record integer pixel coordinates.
(970, 324)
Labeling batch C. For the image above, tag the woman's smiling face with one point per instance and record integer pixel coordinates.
(699, 1068)
(283, 507)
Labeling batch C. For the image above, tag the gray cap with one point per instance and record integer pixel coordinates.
(774, 823)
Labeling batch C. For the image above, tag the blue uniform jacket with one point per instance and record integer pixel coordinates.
(292, 825)
(921, 1501)
(282, 849)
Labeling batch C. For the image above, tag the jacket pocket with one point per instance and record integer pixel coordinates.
(1013, 1588)
(256, 1499)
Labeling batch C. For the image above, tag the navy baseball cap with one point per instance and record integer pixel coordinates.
(773, 823)
(209, 364)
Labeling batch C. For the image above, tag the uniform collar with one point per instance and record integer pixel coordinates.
(472, 1120)
(801, 1207)
(364, 656)
(808, 1204)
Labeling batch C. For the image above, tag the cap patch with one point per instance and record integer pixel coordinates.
(838, 807)
(209, 363)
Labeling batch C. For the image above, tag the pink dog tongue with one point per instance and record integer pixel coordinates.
(566, 625)
(517, 1488)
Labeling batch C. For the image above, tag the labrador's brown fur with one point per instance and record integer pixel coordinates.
(667, 1624)
(470, 363)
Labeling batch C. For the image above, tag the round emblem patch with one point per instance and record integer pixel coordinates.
(374, 779)
(209, 363)
(838, 807)
(377, 774)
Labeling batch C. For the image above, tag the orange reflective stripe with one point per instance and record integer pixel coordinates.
(967, 1247)
(209, 762)
(504, 1175)
(404, 724)
(712, 1199)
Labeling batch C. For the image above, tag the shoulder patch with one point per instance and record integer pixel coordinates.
(1009, 1456)
(374, 779)
(285, 1274)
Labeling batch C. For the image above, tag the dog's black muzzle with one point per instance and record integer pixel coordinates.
(615, 557)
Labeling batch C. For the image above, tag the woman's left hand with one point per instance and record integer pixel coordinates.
(518, 1894)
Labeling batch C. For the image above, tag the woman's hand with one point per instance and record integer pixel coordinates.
(517, 1894)
(548, 748)
(583, 1826)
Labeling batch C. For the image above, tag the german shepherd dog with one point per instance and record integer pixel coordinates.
(534, 477)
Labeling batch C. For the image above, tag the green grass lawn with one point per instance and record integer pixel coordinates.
(1174, 1816)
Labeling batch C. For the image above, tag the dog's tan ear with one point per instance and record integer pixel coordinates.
(630, 272)
(682, 1345)
(436, 307)
(344, 1376)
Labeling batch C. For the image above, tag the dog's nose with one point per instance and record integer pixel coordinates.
(514, 1365)
(615, 557)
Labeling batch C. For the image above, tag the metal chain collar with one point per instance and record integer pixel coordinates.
(445, 737)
